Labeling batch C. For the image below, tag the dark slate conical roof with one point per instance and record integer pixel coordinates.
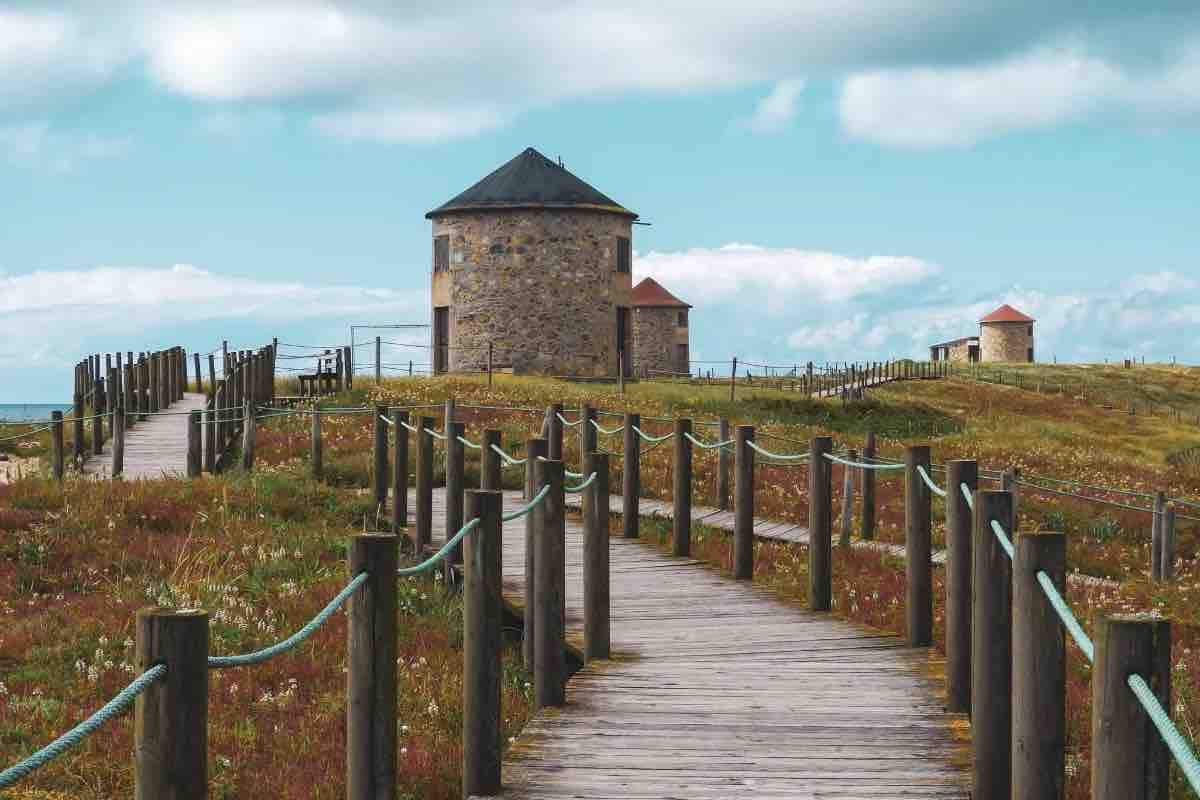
(530, 181)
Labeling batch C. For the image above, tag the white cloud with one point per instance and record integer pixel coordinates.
(418, 72)
(778, 108)
(777, 279)
(959, 106)
(409, 125)
(39, 311)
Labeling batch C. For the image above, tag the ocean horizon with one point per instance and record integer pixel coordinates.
(30, 412)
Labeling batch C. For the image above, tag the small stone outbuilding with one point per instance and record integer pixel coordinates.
(536, 263)
(660, 331)
(1004, 335)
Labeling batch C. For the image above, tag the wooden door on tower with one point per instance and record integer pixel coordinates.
(441, 339)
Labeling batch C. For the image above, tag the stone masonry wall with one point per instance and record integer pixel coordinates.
(540, 285)
(655, 335)
(1005, 341)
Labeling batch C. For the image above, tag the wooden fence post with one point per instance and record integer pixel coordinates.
(378, 360)
(631, 476)
(847, 521)
(77, 428)
(399, 470)
(958, 583)
(56, 437)
(98, 418)
(455, 486)
(490, 476)
(820, 524)
(1156, 535)
(371, 669)
(918, 547)
(1038, 669)
(210, 436)
(549, 667)
(681, 525)
(348, 360)
(867, 520)
(424, 532)
(248, 435)
(535, 449)
(380, 453)
(212, 375)
(193, 445)
(743, 504)
(555, 435)
(171, 715)
(118, 446)
(1167, 564)
(733, 380)
(199, 374)
(315, 454)
(991, 650)
(1129, 757)
(447, 414)
(482, 640)
(724, 466)
(587, 432)
(596, 606)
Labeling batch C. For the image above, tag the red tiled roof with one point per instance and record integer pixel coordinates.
(651, 293)
(1006, 313)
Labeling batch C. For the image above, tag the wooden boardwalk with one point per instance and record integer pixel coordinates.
(718, 690)
(156, 447)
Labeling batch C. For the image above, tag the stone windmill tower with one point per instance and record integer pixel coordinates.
(536, 263)
(1006, 335)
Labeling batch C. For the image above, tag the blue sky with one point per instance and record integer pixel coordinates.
(850, 180)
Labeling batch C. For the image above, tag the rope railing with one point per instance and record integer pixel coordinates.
(508, 460)
(1002, 537)
(647, 437)
(933, 487)
(409, 428)
(574, 489)
(1069, 620)
(385, 419)
(779, 456)
(564, 421)
(566, 471)
(26, 434)
(525, 509)
(861, 464)
(267, 653)
(441, 553)
(468, 443)
(966, 493)
(704, 446)
(1175, 741)
(605, 431)
(73, 737)
(435, 434)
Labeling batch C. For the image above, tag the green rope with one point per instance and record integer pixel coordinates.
(933, 487)
(861, 464)
(998, 529)
(781, 456)
(525, 509)
(563, 420)
(704, 446)
(650, 438)
(1178, 745)
(440, 554)
(258, 656)
(606, 431)
(509, 461)
(435, 434)
(469, 444)
(590, 480)
(966, 493)
(71, 738)
(1064, 613)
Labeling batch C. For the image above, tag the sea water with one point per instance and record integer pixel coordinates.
(30, 412)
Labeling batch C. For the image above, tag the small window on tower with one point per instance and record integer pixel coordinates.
(441, 253)
(624, 254)
(1031, 330)
(682, 321)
